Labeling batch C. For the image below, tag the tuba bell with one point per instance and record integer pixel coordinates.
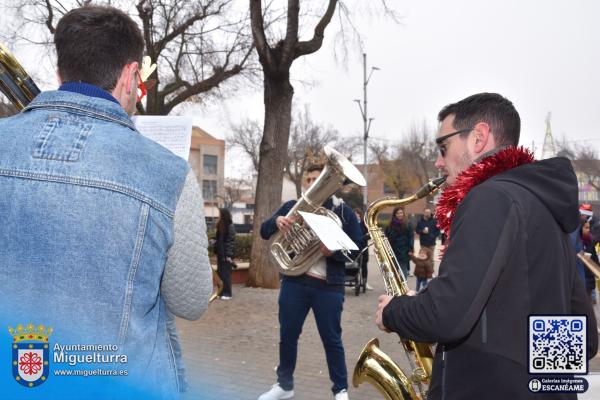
(374, 365)
(297, 250)
(15, 83)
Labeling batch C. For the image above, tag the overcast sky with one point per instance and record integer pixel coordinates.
(543, 55)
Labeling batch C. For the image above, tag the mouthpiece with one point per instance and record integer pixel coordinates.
(430, 186)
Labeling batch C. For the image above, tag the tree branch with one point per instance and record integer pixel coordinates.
(314, 44)
(257, 22)
(214, 81)
(50, 17)
(291, 36)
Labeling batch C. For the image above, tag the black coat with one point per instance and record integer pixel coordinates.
(427, 239)
(225, 243)
(509, 256)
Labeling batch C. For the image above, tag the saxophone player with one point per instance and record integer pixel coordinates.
(508, 218)
(321, 289)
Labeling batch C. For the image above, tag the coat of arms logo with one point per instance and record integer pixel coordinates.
(30, 349)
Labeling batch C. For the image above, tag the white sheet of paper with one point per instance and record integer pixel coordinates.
(330, 233)
(172, 132)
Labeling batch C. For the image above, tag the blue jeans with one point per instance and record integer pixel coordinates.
(295, 300)
(421, 282)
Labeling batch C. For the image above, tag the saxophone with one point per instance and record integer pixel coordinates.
(15, 83)
(374, 365)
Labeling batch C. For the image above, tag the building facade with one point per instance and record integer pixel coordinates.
(207, 159)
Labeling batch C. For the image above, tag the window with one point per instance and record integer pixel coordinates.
(209, 164)
(209, 190)
(388, 190)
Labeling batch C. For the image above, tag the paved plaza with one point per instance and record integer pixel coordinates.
(232, 351)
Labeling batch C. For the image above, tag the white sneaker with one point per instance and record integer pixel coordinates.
(368, 287)
(225, 297)
(277, 393)
(341, 395)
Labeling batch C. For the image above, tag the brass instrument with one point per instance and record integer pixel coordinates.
(591, 265)
(15, 83)
(297, 250)
(373, 365)
(217, 287)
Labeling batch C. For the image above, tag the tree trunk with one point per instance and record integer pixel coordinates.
(153, 106)
(278, 94)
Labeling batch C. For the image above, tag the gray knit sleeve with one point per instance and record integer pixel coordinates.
(187, 281)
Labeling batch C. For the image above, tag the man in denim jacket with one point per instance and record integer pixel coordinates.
(321, 289)
(102, 231)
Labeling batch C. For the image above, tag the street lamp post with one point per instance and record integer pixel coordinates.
(366, 124)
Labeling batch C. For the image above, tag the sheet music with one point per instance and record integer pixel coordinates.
(172, 132)
(330, 233)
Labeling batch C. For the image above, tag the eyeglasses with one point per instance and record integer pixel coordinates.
(439, 141)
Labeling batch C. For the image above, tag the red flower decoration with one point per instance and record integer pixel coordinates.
(501, 161)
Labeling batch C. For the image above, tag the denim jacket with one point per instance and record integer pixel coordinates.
(86, 220)
(336, 264)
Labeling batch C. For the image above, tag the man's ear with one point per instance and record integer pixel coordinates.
(483, 138)
(130, 77)
(126, 83)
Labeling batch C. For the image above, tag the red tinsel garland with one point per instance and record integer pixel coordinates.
(452, 196)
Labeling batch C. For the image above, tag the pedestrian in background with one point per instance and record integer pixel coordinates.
(225, 250)
(427, 230)
(364, 257)
(423, 266)
(401, 237)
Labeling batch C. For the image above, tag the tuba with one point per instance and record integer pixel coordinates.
(374, 365)
(297, 250)
(15, 83)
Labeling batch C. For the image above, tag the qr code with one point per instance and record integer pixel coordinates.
(557, 344)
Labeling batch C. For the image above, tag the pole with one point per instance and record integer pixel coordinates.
(366, 126)
(365, 133)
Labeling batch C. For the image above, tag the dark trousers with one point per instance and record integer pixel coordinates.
(364, 262)
(295, 300)
(404, 267)
(421, 282)
(224, 272)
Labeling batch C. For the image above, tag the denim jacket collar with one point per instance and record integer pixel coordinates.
(87, 89)
(76, 102)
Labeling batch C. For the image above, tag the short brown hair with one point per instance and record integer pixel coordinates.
(94, 43)
(315, 167)
(495, 110)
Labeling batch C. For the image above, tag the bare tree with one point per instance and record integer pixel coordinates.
(234, 190)
(276, 57)
(247, 136)
(418, 149)
(409, 163)
(197, 45)
(584, 158)
(307, 142)
(308, 138)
